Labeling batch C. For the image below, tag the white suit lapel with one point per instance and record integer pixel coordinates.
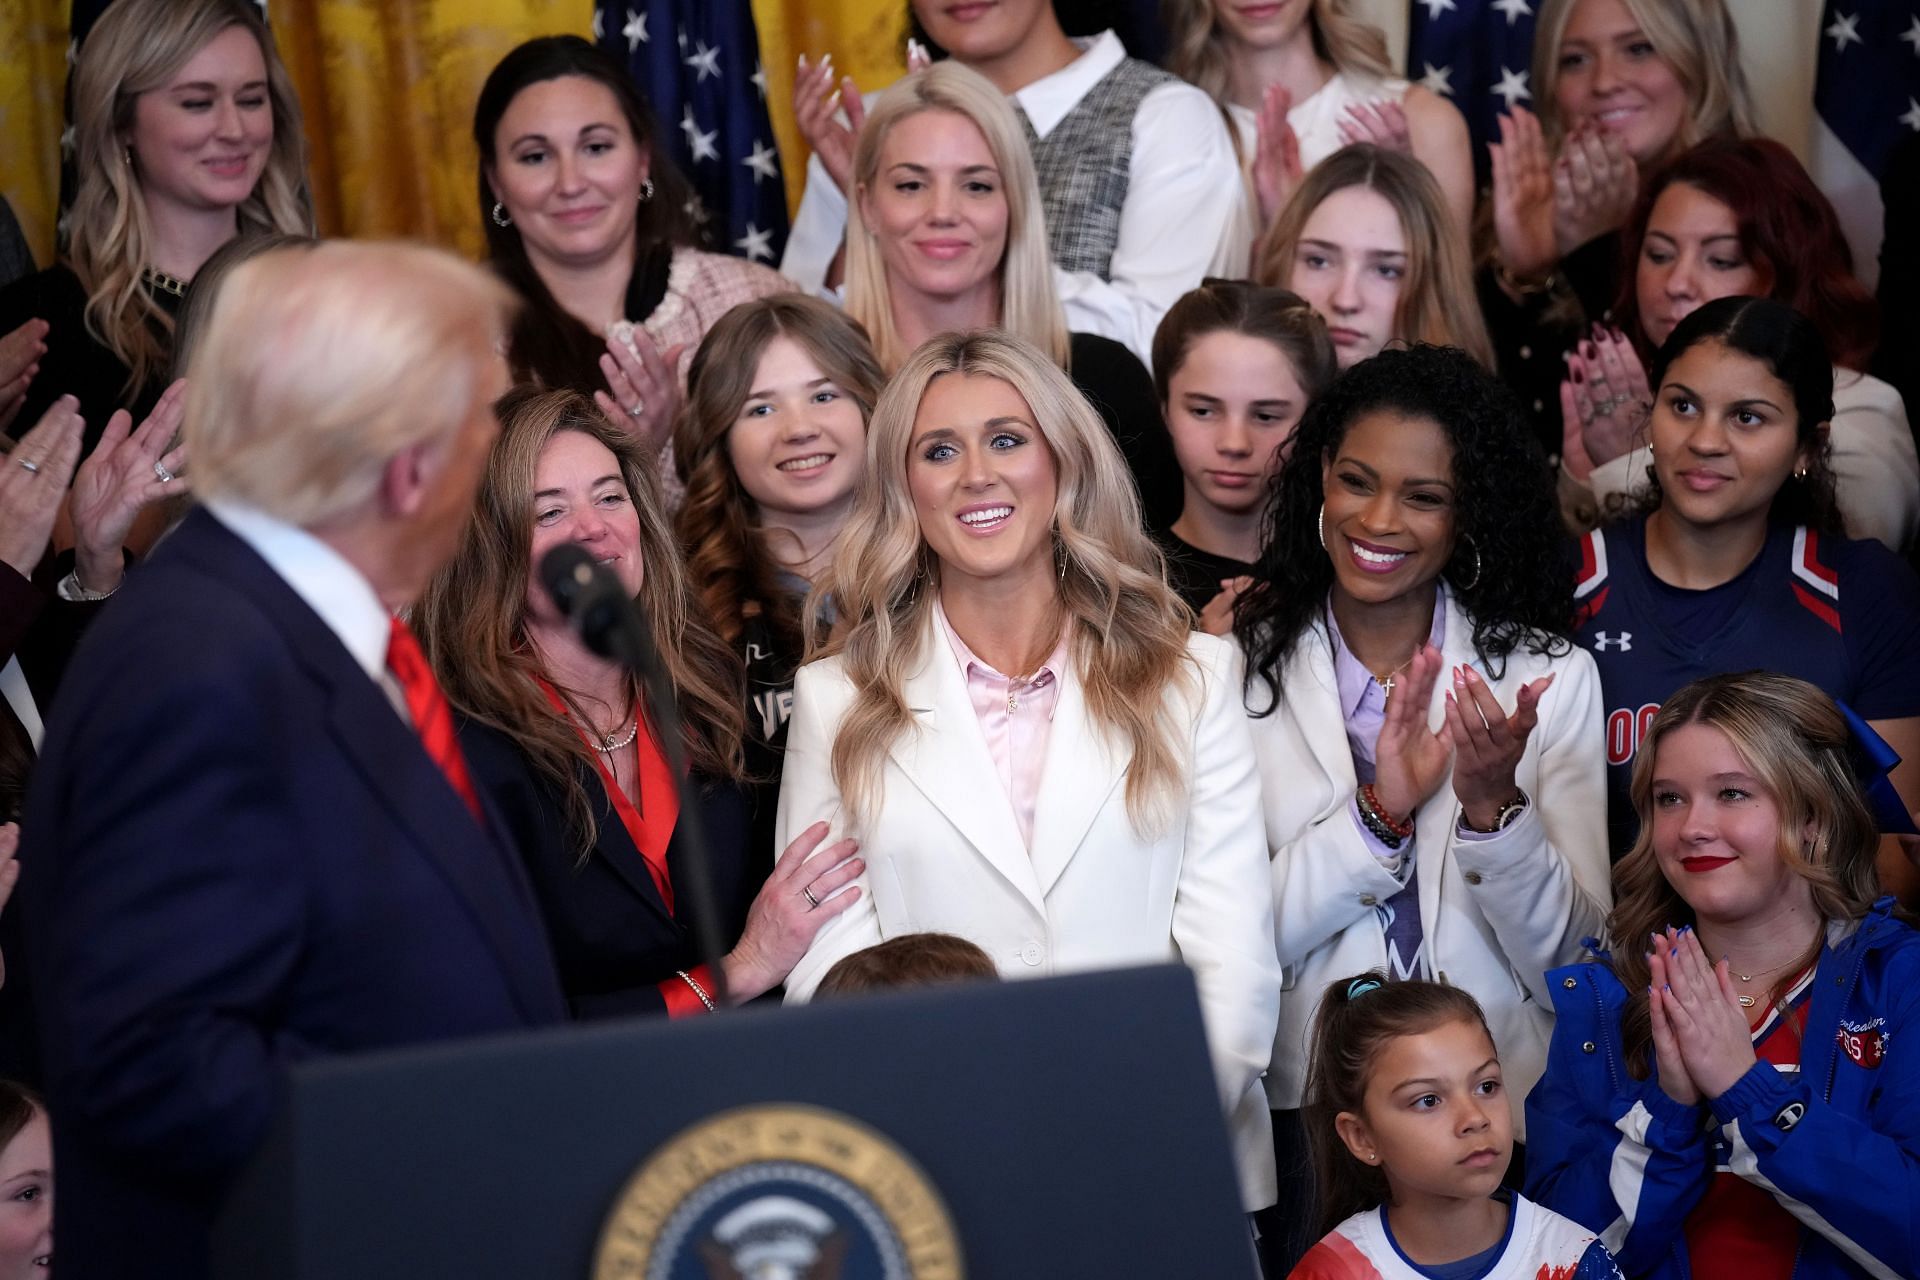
(1081, 771)
(945, 756)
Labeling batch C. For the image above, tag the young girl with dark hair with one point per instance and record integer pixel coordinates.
(1236, 365)
(1730, 1093)
(1737, 561)
(1425, 829)
(1411, 1133)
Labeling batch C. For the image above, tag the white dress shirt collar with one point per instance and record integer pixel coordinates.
(1048, 99)
(344, 600)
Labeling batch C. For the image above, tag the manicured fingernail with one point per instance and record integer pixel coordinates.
(1686, 928)
(1666, 986)
(1674, 953)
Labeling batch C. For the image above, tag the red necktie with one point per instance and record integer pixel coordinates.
(432, 719)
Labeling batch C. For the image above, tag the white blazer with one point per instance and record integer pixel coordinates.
(943, 852)
(1496, 913)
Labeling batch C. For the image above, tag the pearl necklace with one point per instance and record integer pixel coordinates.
(613, 742)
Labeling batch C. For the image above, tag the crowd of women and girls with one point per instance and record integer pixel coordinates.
(1154, 514)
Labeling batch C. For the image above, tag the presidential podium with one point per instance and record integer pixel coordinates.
(1057, 1128)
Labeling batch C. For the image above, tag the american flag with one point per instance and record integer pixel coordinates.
(1479, 55)
(1867, 96)
(698, 62)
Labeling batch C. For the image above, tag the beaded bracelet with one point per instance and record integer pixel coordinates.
(1387, 829)
(687, 978)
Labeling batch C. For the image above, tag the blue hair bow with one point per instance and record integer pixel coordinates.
(1360, 986)
(1873, 760)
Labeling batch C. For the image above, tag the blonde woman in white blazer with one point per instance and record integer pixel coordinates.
(1117, 822)
(1429, 741)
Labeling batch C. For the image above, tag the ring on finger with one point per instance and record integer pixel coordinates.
(31, 467)
(637, 408)
(160, 470)
(806, 891)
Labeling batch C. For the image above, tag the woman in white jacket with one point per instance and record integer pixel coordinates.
(1428, 739)
(1035, 753)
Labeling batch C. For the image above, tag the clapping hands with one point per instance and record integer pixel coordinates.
(1702, 1043)
(1604, 402)
(1481, 741)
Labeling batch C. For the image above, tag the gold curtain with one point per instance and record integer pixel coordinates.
(867, 39)
(33, 78)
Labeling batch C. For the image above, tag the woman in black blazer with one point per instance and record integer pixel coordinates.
(558, 742)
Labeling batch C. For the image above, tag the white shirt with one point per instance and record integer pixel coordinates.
(336, 591)
(1179, 222)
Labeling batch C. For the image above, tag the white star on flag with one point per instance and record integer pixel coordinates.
(1437, 79)
(701, 144)
(599, 26)
(755, 244)
(761, 161)
(1513, 9)
(680, 33)
(1912, 117)
(1844, 29)
(1912, 35)
(1436, 7)
(1512, 86)
(759, 78)
(635, 31)
(704, 60)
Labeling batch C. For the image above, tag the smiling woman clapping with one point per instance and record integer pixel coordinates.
(1015, 723)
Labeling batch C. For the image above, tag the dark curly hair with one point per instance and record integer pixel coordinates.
(1504, 508)
(1793, 347)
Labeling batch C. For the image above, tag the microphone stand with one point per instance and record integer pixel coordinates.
(630, 643)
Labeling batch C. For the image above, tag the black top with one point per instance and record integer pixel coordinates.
(76, 362)
(613, 938)
(1119, 387)
(1196, 575)
(1530, 336)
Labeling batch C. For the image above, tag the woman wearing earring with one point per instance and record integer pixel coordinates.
(556, 737)
(1730, 1086)
(1736, 560)
(591, 223)
(1428, 738)
(187, 133)
(1015, 722)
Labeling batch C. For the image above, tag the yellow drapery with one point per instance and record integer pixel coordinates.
(388, 88)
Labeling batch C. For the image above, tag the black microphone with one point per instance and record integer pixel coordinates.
(592, 598)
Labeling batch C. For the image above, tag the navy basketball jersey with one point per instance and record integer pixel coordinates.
(1843, 615)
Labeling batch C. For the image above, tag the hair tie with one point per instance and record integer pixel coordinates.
(1871, 759)
(1360, 986)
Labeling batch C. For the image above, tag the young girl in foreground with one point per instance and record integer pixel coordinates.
(1411, 1135)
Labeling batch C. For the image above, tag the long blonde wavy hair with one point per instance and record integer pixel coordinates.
(1127, 630)
(1029, 305)
(1438, 303)
(1198, 50)
(1696, 37)
(1795, 740)
(138, 46)
(472, 618)
(732, 568)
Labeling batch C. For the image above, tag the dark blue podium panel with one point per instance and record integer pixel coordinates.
(1070, 1126)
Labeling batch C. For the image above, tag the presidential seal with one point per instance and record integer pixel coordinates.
(778, 1193)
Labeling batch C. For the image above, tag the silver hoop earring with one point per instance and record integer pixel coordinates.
(646, 191)
(1320, 525)
(1475, 547)
(500, 218)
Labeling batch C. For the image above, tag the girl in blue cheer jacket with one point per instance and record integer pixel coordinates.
(1740, 1099)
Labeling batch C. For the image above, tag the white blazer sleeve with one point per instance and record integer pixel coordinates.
(1222, 914)
(1182, 186)
(1876, 474)
(808, 795)
(1544, 883)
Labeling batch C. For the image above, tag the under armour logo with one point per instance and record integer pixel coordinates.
(1623, 642)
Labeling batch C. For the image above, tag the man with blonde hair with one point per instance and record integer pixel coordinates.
(252, 838)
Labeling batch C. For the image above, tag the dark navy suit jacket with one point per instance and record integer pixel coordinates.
(236, 855)
(613, 937)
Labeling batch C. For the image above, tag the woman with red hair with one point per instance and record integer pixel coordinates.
(1732, 217)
